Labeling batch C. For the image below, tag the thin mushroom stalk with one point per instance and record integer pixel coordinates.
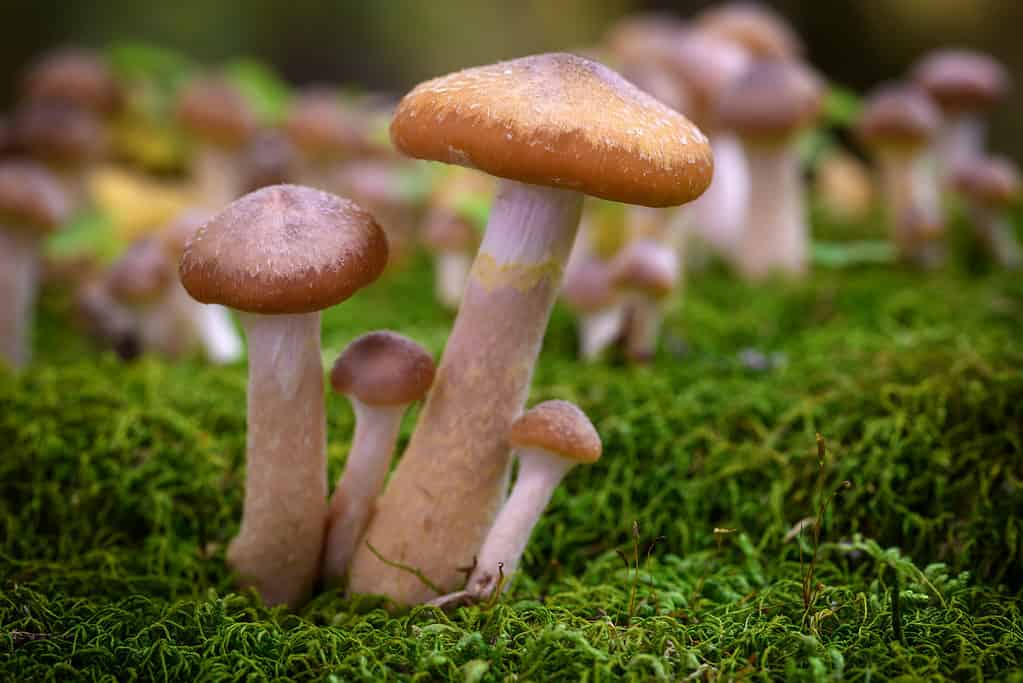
(719, 215)
(452, 272)
(997, 234)
(278, 547)
(19, 282)
(909, 189)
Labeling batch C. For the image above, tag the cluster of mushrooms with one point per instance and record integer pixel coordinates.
(266, 233)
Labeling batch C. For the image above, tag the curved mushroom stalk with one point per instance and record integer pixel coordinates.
(19, 281)
(278, 548)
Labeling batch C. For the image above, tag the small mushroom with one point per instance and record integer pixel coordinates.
(73, 75)
(322, 131)
(646, 272)
(269, 159)
(107, 321)
(280, 255)
(32, 204)
(381, 373)
(598, 306)
(142, 281)
(764, 33)
(991, 186)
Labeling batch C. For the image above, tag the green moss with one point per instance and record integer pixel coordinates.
(121, 484)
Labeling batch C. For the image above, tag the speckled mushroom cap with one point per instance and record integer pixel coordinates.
(31, 197)
(558, 120)
(73, 75)
(175, 234)
(383, 369)
(962, 79)
(59, 132)
(898, 115)
(284, 249)
(755, 27)
(645, 266)
(993, 181)
(318, 125)
(142, 274)
(216, 112)
(558, 427)
(771, 100)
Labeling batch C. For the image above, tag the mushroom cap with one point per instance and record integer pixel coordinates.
(59, 132)
(558, 427)
(706, 65)
(319, 126)
(445, 230)
(284, 249)
(73, 75)
(383, 369)
(269, 159)
(175, 234)
(658, 81)
(962, 79)
(587, 286)
(755, 27)
(898, 115)
(142, 273)
(31, 197)
(643, 38)
(771, 100)
(216, 112)
(558, 120)
(646, 266)
(994, 181)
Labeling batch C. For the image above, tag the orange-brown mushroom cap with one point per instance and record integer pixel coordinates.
(383, 369)
(284, 249)
(558, 427)
(557, 120)
(994, 181)
(31, 197)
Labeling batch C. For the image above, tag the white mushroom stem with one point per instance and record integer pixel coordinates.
(719, 214)
(369, 461)
(961, 139)
(599, 329)
(776, 235)
(451, 271)
(211, 326)
(443, 496)
(910, 191)
(645, 317)
(217, 176)
(278, 548)
(996, 233)
(19, 283)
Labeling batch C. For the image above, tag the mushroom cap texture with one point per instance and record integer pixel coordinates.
(73, 75)
(319, 126)
(284, 249)
(383, 369)
(754, 27)
(31, 196)
(772, 99)
(142, 273)
(558, 427)
(645, 266)
(557, 120)
(214, 110)
(994, 180)
(899, 115)
(963, 79)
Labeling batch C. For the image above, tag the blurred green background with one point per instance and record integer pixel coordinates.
(392, 44)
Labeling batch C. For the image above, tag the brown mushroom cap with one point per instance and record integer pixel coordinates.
(643, 38)
(383, 369)
(175, 235)
(706, 65)
(73, 75)
(772, 100)
(557, 120)
(444, 230)
(30, 197)
(994, 181)
(59, 132)
(963, 79)
(319, 126)
(642, 267)
(284, 249)
(216, 112)
(141, 274)
(755, 27)
(269, 159)
(558, 427)
(898, 115)
(587, 286)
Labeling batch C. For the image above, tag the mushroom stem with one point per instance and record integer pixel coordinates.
(278, 548)
(910, 195)
(961, 140)
(775, 235)
(644, 328)
(599, 329)
(369, 461)
(443, 496)
(211, 325)
(452, 272)
(720, 213)
(19, 282)
(216, 174)
(997, 235)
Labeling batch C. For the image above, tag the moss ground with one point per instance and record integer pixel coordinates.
(121, 484)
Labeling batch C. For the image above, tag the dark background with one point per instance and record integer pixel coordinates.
(392, 44)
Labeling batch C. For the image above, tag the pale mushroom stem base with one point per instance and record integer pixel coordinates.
(646, 315)
(452, 272)
(720, 213)
(450, 484)
(910, 192)
(369, 461)
(279, 546)
(600, 329)
(19, 282)
(776, 236)
(210, 326)
(961, 139)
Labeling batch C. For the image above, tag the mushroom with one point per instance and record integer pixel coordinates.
(549, 441)
(646, 272)
(768, 106)
(966, 85)
(382, 374)
(991, 186)
(269, 159)
(756, 28)
(32, 204)
(105, 319)
(320, 129)
(221, 121)
(555, 127)
(897, 124)
(76, 76)
(280, 255)
(141, 280)
(843, 186)
(588, 292)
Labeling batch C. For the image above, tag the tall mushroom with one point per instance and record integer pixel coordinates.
(382, 373)
(991, 186)
(142, 281)
(554, 127)
(281, 255)
(768, 106)
(32, 204)
(646, 272)
(756, 28)
(598, 306)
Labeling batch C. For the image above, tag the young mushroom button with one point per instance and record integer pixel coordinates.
(554, 127)
(382, 373)
(281, 255)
